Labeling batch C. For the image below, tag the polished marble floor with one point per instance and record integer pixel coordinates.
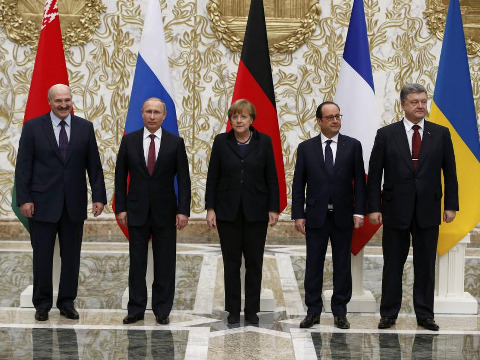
(198, 327)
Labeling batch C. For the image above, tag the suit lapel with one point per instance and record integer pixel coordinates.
(400, 137)
(317, 141)
(164, 144)
(50, 135)
(427, 141)
(74, 136)
(233, 144)
(139, 150)
(340, 153)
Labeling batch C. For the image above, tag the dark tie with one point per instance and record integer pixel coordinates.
(416, 144)
(63, 140)
(151, 155)
(329, 157)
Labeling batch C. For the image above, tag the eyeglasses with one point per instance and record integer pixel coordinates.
(331, 117)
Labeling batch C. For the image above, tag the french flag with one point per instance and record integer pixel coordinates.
(152, 74)
(152, 77)
(355, 94)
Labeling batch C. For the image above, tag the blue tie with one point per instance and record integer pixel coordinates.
(63, 140)
(329, 157)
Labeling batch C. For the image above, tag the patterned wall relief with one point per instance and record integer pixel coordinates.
(404, 48)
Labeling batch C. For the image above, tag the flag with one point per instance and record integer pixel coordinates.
(152, 76)
(49, 69)
(453, 106)
(355, 94)
(254, 83)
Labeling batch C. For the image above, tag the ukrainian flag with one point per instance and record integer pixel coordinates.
(453, 106)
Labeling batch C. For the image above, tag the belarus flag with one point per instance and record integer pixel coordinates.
(254, 83)
(355, 95)
(152, 76)
(49, 69)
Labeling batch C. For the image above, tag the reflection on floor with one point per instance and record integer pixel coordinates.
(198, 328)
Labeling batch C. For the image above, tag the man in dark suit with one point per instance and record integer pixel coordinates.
(411, 155)
(152, 157)
(331, 167)
(54, 152)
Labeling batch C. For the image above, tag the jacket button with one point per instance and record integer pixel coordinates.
(241, 181)
(242, 171)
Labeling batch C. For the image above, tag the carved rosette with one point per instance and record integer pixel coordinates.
(285, 33)
(78, 18)
(436, 16)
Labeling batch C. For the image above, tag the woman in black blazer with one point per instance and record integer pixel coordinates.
(242, 198)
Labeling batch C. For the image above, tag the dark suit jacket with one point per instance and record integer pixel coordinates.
(43, 178)
(404, 187)
(251, 179)
(346, 187)
(156, 192)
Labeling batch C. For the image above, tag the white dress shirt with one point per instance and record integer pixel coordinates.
(56, 125)
(146, 143)
(409, 130)
(333, 145)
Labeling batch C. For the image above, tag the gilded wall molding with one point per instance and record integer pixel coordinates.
(436, 16)
(78, 18)
(289, 24)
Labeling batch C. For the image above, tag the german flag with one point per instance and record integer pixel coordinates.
(254, 83)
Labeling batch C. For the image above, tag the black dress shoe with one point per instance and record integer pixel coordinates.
(131, 319)
(251, 318)
(428, 324)
(41, 315)
(233, 318)
(69, 313)
(162, 319)
(341, 322)
(309, 320)
(386, 322)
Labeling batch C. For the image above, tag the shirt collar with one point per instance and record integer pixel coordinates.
(56, 120)
(408, 124)
(146, 133)
(324, 138)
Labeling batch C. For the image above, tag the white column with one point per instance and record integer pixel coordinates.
(362, 300)
(450, 297)
(26, 295)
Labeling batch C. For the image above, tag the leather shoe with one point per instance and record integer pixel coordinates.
(162, 319)
(386, 322)
(428, 324)
(341, 322)
(309, 320)
(131, 319)
(233, 318)
(69, 313)
(41, 315)
(251, 318)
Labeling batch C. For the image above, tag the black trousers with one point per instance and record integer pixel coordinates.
(248, 238)
(164, 242)
(395, 245)
(341, 242)
(42, 237)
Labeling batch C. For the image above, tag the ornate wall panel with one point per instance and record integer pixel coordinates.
(404, 49)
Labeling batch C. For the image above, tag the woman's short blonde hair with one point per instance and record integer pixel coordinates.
(240, 106)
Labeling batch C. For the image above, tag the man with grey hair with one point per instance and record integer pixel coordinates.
(411, 155)
(56, 151)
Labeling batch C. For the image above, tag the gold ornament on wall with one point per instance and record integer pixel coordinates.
(22, 20)
(436, 16)
(290, 23)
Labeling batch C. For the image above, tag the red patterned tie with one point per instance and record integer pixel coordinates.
(416, 144)
(151, 155)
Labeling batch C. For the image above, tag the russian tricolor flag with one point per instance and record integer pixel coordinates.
(152, 77)
(152, 74)
(355, 94)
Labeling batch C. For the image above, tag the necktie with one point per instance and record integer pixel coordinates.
(63, 140)
(151, 155)
(329, 157)
(416, 143)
